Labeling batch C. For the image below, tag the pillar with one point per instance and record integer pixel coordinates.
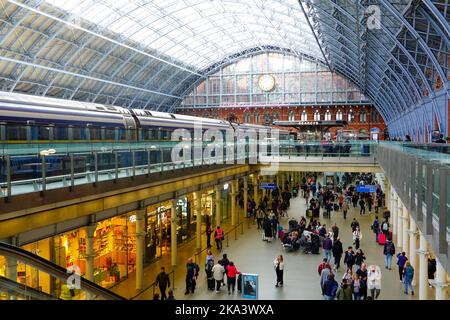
(413, 247)
(233, 201)
(405, 236)
(90, 255)
(218, 191)
(198, 208)
(423, 268)
(255, 188)
(140, 248)
(441, 282)
(173, 231)
(11, 272)
(245, 195)
(394, 213)
(399, 210)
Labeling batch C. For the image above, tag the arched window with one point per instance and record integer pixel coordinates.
(316, 115)
(291, 116)
(267, 119)
(350, 116)
(328, 115)
(276, 116)
(304, 116)
(374, 116)
(257, 118)
(339, 115)
(246, 117)
(362, 117)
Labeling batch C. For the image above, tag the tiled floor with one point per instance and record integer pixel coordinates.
(252, 255)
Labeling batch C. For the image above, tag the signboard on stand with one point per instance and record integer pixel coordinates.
(250, 286)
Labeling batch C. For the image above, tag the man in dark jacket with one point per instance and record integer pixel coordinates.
(349, 258)
(337, 253)
(354, 224)
(163, 281)
(401, 261)
(327, 246)
(330, 287)
(192, 270)
(388, 251)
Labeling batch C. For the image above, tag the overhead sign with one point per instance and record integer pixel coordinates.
(268, 186)
(366, 189)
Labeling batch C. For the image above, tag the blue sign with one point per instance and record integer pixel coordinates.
(366, 189)
(268, 185)
(250, 286)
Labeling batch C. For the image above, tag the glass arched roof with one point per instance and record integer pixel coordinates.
(199, 32)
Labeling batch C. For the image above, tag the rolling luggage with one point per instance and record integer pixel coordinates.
(381, 239)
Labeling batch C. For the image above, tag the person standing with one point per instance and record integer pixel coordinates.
(259, 217)
(357, 237)
(208, 232)
(374, 281)
(330, 287)
(345, 209)
(388, 251)
(218, 271)
(274, 226)
(218, 236)
(322, 266)
(192, 270)
(232, 272)
(401, 261)
(163, 281)
(349, 258)
(224, 262)
(279, 270)
(408, 277)
(327, 245)
(337, 253)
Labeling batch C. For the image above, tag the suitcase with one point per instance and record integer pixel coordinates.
(211, 284)
(381, 239)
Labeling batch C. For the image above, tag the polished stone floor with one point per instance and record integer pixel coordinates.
(301, 280)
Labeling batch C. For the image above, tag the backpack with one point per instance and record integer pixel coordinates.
(385, 226)
(388, 248)
(209, 265)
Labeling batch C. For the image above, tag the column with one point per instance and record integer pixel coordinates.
(90, 255)
(233, 201)
(198, 208)
(11, 272)
(405, 218)
(173, 231)
(413, 247)
(441, 282)
(245, 195)
(255, 188)
(140, 248)
(399, 210)
(423, 268)
(394, 214)
(218, 191)
(278, 180)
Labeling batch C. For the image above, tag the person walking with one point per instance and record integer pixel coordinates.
(401, 261)
(335, 230)
(374, 281)
(218, 272)
(330, 287)
(359, 258)
(388, 251)
(322, 266)
(344, 292)
(357, 237)
(337, 253)
(232, 272)
(192, 270)
(324, 277)
(362, 205)
(376, 228)
(408, 277)
(163, 281)
(274, 225)
(345, 208)
(362, 273)
(259, 217)
(279, 270)
(224, 262)
(349, 258)
(218, 236)
(348, 277)
(327, 245)
(356, 287)
(354, 224)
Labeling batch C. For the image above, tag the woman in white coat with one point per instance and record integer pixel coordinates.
(357, 236)
(374, 281)
(279, 269)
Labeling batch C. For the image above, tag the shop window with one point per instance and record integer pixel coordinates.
(291, 116)
(339, 115)
(304, 116)
(257, 118)
(316, 116)
(328, 115)
(350, 117)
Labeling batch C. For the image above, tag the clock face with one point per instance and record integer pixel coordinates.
(266, 82)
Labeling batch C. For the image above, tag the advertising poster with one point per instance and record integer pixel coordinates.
(249, 286)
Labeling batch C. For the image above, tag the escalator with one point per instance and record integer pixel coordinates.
(21, 291)
(91, 289)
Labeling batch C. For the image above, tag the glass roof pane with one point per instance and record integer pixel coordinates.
(201, 32)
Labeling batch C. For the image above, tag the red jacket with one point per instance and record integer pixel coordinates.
(232, 272)
(321, 267)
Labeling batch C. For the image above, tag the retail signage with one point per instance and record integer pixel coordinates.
(366, 189)
(268, 186)
(250, 286)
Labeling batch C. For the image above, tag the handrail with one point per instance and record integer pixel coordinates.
(54, 270)
(153, 285)
(24, 290)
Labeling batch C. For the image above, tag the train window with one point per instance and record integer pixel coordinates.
(76, 133)
(95, 133)
(16, 132)
(109, 134)
(122, 134)
(61, 133)
(44, 133)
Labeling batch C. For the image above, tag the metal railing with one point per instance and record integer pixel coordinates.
(153, 285)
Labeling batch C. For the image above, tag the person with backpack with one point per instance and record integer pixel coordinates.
(330, 287)
(344, 292)
(192, 270)
(209, 264)
(337, 253)
(408, 277)
(388, 251)
(376, 228)
(401, 261)
(163, 281)
(279, 270)
(218, 236)
(349, 258)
